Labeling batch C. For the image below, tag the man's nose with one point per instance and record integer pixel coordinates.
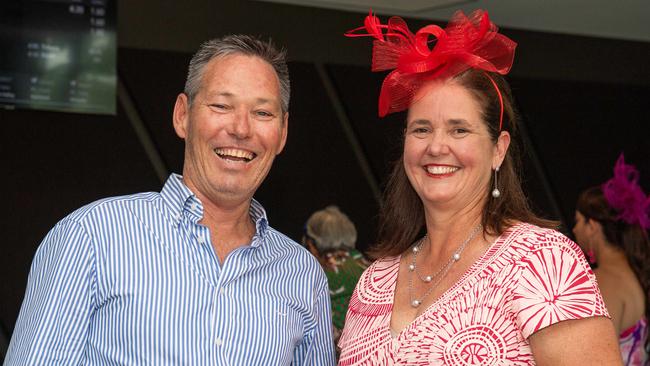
(240, 126)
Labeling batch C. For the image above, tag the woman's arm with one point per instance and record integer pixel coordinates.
(588, 341)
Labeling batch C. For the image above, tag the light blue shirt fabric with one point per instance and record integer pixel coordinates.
(134, 280)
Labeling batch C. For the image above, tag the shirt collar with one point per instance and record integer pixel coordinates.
(175, 194)
(180, 200)
(258, 215)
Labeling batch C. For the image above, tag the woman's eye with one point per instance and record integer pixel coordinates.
(460, 131)
(419, 130)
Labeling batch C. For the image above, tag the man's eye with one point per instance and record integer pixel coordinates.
(460, 131)
(219, 106)
(264, 114)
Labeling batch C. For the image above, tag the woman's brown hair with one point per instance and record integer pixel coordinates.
(401, 218)
(632, 239)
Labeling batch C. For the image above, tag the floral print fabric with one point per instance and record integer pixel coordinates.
(632, 343)
(528, 279)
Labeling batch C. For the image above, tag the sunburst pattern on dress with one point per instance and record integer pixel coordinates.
(528, 279)
(554, 286)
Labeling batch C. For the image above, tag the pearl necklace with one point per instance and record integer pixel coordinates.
(440, 274)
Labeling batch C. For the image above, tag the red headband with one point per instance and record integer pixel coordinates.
(465, 43)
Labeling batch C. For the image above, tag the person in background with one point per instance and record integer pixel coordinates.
(331, 237)
(466, 273)
(612, 222)
(187, 276)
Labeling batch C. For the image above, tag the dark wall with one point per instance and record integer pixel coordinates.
(582, 102)
(578, 130)
(316, 35)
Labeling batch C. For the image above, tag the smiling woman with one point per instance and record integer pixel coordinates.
(488, 282)
(446, 140)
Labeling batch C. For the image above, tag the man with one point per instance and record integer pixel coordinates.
(331, 237)
(192, 275)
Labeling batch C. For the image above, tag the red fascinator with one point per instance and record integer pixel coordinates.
(623, 193)
(466, 42)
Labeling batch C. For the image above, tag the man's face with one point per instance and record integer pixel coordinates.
(233, 130)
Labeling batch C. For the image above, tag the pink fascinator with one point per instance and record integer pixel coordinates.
(466, 42)
(624, 195)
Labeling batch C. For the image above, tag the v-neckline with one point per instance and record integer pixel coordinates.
(489, 254)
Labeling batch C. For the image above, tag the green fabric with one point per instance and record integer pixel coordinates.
(343, 270)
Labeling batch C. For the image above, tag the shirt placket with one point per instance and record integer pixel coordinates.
(223, 304)
(208, 265)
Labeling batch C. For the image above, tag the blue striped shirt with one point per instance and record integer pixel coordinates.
(134, 280)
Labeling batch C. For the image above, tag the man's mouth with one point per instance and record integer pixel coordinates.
(235, 154)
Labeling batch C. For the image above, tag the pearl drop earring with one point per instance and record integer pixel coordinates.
(495, 192)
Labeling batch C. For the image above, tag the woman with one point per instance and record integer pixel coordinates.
(611, 226)
(488, 283)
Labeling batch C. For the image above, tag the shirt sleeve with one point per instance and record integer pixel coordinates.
(555, 284)
(318, 346)
(53, 322)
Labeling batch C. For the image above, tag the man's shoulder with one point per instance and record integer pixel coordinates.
(280, 242)
(112, 205)
(283, 242)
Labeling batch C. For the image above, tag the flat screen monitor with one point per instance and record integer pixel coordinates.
(58, 55)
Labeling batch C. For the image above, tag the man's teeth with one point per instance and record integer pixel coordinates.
(235, 153)
(433, 169)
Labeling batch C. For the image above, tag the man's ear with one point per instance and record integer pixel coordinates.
(181, 115)
(284, 132)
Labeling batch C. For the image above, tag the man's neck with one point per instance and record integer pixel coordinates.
(228, 219)
(229, 222)
(229, 229)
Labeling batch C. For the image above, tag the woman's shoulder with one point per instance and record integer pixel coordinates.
(554, 281)
(538, 238)
(382, 273)
(377, 283)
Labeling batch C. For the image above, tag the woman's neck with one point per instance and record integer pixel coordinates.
(446, 230)
(608, 254)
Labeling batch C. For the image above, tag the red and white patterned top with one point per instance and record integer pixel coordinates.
(528, 279)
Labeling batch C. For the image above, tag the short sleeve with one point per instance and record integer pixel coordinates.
(555, 284)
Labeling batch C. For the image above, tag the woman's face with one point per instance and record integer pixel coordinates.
(448, 153)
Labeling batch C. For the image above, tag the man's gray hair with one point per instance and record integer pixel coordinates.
(244, 45)
(331, 229)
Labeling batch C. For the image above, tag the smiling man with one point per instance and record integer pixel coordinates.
(193, 275)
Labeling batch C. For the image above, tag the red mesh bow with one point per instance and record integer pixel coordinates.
(466, 42)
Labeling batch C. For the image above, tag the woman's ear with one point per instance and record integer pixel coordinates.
(501, 148)
(593, 226)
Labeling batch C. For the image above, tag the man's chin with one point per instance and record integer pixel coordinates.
(232, 193)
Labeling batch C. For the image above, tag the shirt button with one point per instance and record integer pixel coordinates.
(218, 342)
(201, 241)
(222, 291)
